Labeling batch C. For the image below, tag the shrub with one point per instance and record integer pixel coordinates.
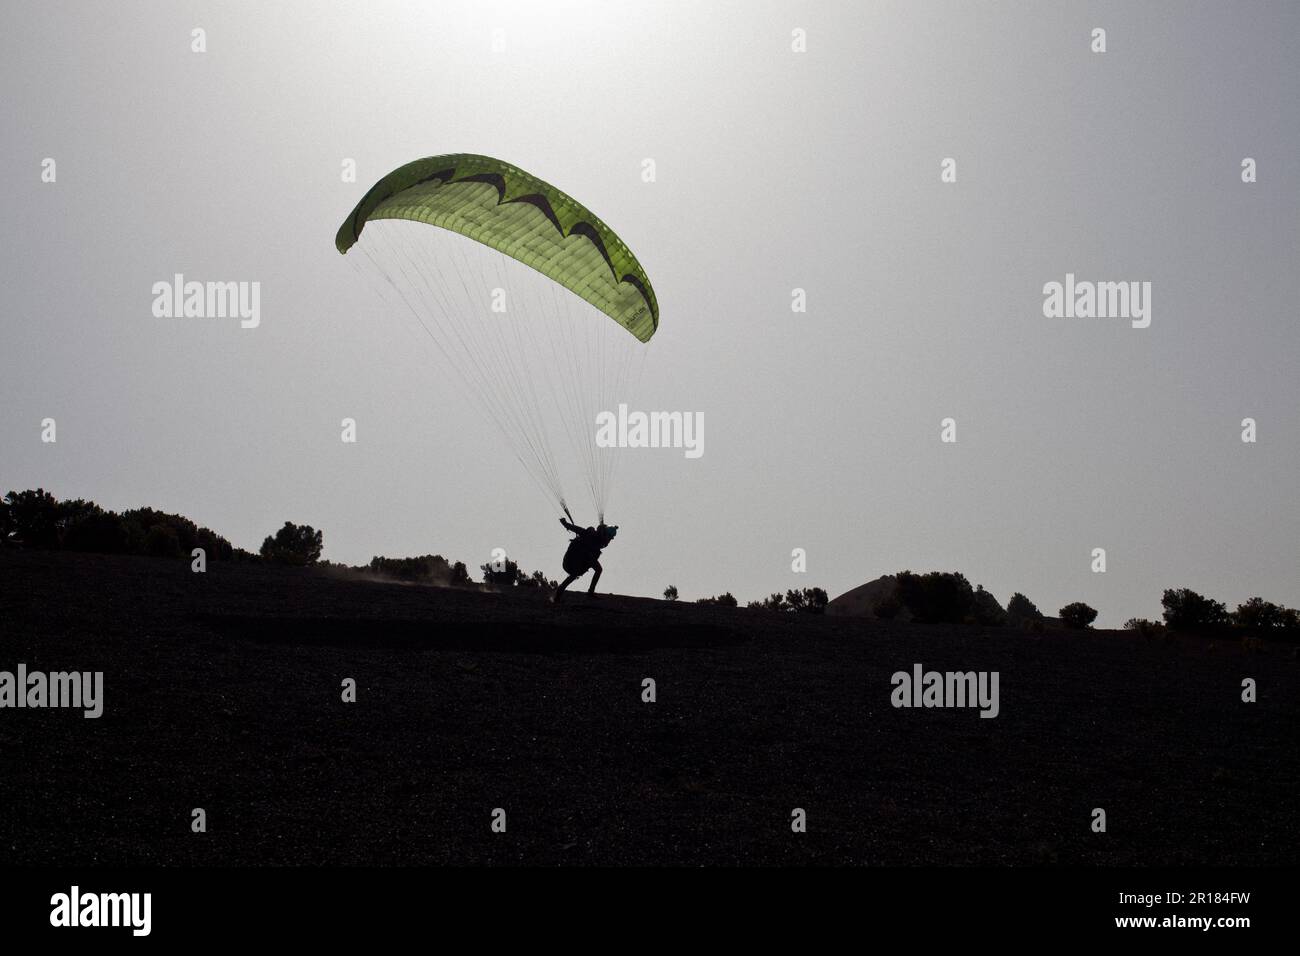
(161, 541)
(32, 519)
(298, 545)
(36, 519)
(670, 593)
(537, 581)
(1020, 609)
(72, 513)
(1265, 619)
(1185, 610)
(795, 600)
(1143, 627)
(805, 601)
(176, 535)
(428, 568)
(104, 532)
(500, 579)
(938, 597)
(213, 545)
(1077, 616)
(1258, 615)
(987, 611)
(723, 600)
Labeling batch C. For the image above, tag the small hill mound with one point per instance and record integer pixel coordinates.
(936, 596)
(863, 600)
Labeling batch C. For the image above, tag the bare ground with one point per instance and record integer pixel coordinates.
(222, 691)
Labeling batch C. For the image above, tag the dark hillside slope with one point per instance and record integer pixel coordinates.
(222, 692)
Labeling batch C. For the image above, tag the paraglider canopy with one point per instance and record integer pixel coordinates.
(537, 360)
(521, 216)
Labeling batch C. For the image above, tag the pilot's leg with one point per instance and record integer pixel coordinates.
(560, 590)
(596, 567)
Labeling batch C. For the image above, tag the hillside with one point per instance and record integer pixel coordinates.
(861, 601)
(222, 691)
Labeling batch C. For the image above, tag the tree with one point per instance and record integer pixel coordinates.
(724, 600)
(32, 519)
(103, 532)
(1266, 619)
(670, 593)
(1185, 610)
(499, 579)
(1077, 616)
(537, 581)
(162, 541)
(169, 535)
(8, 533)
(213, 544)
(293, 544)
(937, 597)
(36, 519)
(806, 601)
(986, 609)
(1258, 615)
(459, 575)
(1020, 609)
(72, 513)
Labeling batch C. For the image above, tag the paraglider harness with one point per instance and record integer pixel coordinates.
(584, 550)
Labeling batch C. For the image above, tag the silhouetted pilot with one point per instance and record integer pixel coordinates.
(584, 552)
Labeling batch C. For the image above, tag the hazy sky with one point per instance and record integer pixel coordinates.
(775, 170)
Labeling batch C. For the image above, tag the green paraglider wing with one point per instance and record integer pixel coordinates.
(521, 216)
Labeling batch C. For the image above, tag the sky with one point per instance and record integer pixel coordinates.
(775, 169)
